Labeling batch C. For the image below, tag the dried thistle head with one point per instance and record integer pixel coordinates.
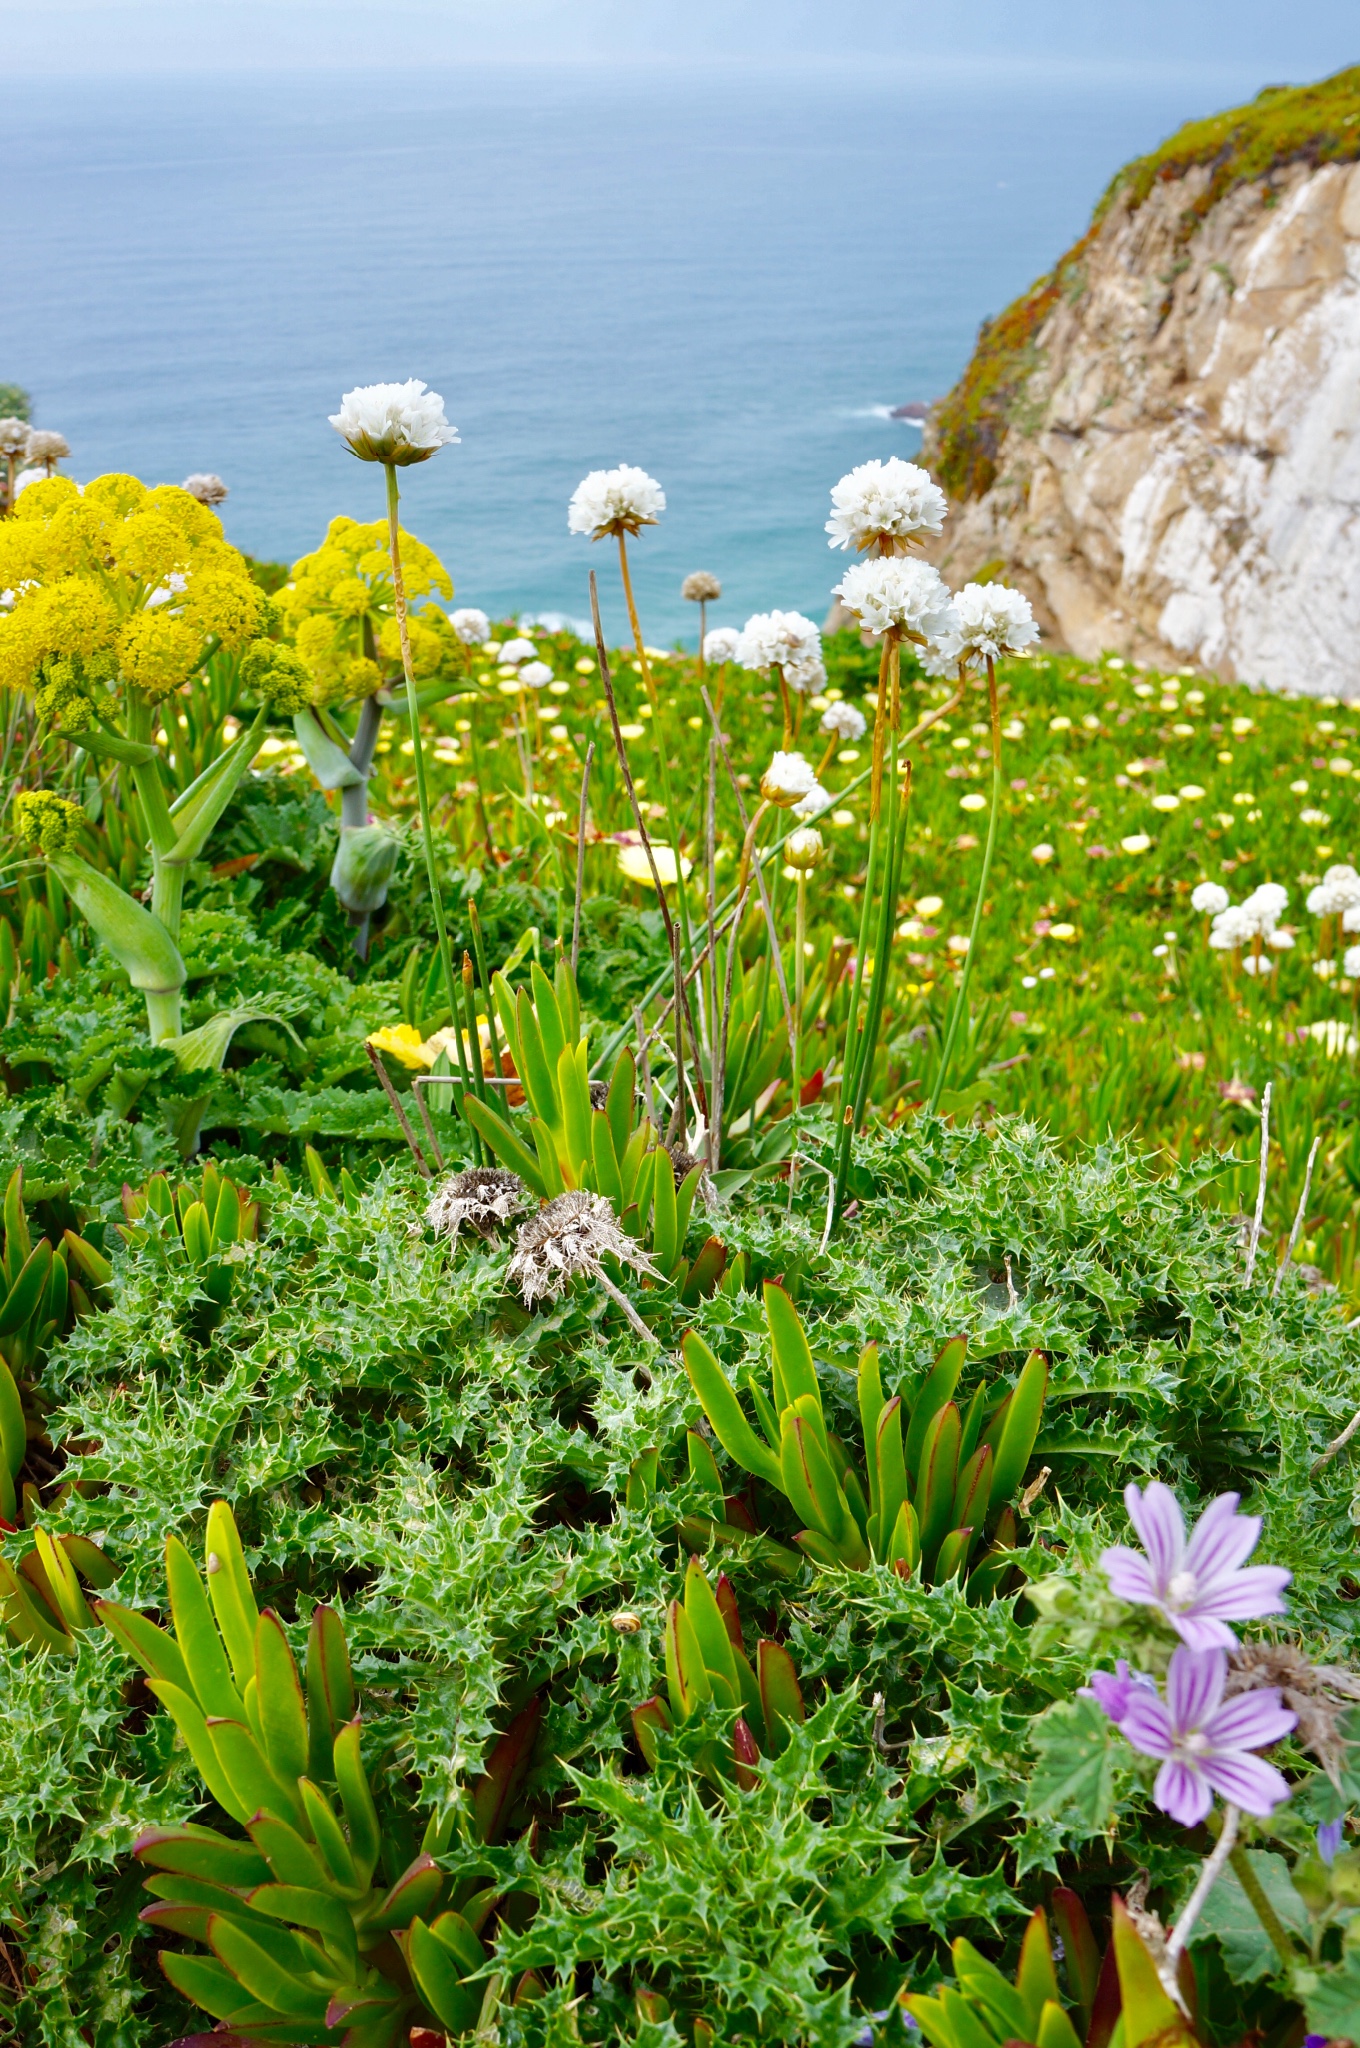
(482, 1197)
(207, 488)
(700, 587)
(1319, 1694)
(599, 1094)
(570, 1235)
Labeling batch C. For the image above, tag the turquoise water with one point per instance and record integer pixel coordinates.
(726, 277)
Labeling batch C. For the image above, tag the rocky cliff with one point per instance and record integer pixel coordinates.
(1160, 442)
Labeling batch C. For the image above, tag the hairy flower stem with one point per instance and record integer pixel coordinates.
(1208, 1877)
(799, 992)
(663, 767)
(422, 792)
(958, 1010)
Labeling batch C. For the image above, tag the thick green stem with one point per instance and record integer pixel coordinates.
(1261, 1906)
(167, 894)
(961, 994)
(164, 1013)
(422, 792)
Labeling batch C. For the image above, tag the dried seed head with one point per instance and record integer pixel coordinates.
(483, 1197)
(599, 1095)
(569, 1236)
(700, 587)
(207, 488)
(1320, 1694)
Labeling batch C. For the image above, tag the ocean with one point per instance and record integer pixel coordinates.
(726, 276)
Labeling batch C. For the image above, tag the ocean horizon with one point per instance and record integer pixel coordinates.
(728, 276)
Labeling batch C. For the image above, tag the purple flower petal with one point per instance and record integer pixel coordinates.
(1200, 1633)
(1147, 1725)
(1329, 1837)
(1247, 1595)
(1194, 1687)
(1110, 1690)
(1251, 1721)
(1183, 1793)
(1221, 1540)
(1130, 1576)
(1248, 1781)
(1156, 1515)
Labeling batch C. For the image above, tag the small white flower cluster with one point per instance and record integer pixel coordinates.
(787, 641)
(993, 621)
(845, 720)
(1209, 898)
(791, 782)
(615, 501)
(885, 504)
(393, 423)
(1337, 892)
(721, 644)
(472, 627)
(1256, 916)
(891, 592)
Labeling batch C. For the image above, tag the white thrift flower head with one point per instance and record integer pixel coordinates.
(515, 651)
(482, 1197)
(701, 588)
(14, 435)
(46, 445)
(535, 675)
(207, 488)
(993, 620)
(569, 1236)
(884, 503)
(1350, 918)
(1251, 965)
(845, 720)
(1209, 898)
(909, 595)
(813, 804)
(472, 627)
(787, 780)
(1265, 906)
(721, 644)
(29, 476)
(393, 423)
(1281, 940)
(783, 640)
(1350, 963)
(1230, 928)
(804, 849)
(615, 501)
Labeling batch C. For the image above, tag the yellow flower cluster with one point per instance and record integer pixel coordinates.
(44, 819)
(339, 610)
(115, 580)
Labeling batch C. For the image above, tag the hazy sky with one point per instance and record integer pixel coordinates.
(1261, 38)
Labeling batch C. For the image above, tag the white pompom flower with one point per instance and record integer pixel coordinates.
(721, 644)
(515, 651)
(1350, 963)
(885, 504)
(535, 675)
(786, 641)
(393, 423)
(1209, 898)
(788, 779)
(909, 595)
(993, 620)
(472, 627)
(813, 804)
(846, 721)
(615, 501)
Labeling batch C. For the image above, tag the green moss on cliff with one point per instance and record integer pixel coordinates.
(1314, 124)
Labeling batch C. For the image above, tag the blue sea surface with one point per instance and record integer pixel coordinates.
(726, 276)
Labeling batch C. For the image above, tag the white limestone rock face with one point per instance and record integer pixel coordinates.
(1180, 481)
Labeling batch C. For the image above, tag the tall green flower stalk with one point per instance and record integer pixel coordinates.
(990, 621)
(397, 425)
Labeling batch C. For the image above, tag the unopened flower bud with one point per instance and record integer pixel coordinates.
(363, 866)
(803, 849)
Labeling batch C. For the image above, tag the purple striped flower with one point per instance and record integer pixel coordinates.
(1205, 1746)
(1198, 1583)
(1329, 1839)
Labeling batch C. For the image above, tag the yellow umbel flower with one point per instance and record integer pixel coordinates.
(135, 584)
(340, 605)
(158, 652)
(44, 819)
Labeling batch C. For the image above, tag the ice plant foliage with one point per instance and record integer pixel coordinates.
(1200, 1583)
(393, 423)
(615, 501)
(1206, 1745)
(884, 504)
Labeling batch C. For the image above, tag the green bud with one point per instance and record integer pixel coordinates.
(49, 820)
(364, 861)
(278, 674)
